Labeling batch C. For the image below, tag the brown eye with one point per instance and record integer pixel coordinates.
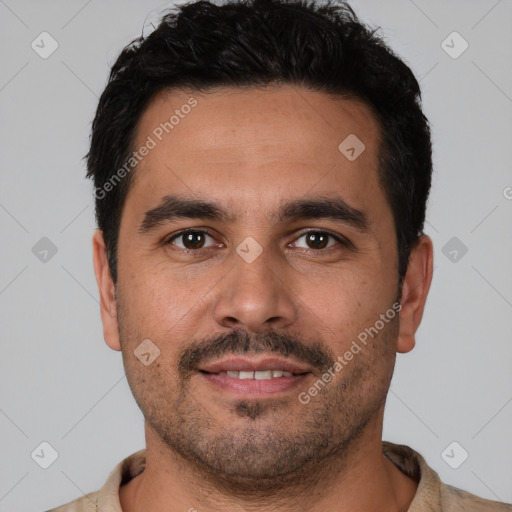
(190, 240)
(318, 240)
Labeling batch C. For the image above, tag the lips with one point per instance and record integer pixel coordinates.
(254, 377)
(257, 375)
(258, 367)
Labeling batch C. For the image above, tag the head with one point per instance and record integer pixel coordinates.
(258, 120)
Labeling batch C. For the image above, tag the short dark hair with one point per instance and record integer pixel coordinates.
(322, 47)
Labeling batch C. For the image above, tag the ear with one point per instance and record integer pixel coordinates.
(107, 291)
(414, 292)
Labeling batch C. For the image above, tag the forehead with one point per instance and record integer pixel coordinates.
(257, 144)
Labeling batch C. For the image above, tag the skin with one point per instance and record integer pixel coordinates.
(209, 448)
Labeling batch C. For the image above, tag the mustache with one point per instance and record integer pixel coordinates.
(241, 342)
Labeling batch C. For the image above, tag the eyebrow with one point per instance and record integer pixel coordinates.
(176, 207)
(335, 209)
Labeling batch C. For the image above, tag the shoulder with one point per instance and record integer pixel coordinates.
(455, 499)
(432, 494)
(107, 498)
(87, 503)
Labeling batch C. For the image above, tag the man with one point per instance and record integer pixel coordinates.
(261, 175)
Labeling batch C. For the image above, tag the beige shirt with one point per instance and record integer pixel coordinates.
(431, 496)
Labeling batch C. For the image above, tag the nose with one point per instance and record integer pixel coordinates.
(255, 296)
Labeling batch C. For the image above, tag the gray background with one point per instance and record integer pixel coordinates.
(60, 382)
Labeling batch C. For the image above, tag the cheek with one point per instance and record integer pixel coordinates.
(163, 310)
(152, 386)
(150, 348)
(348, 300)
(152, 296)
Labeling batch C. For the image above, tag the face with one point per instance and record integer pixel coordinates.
(253, 253)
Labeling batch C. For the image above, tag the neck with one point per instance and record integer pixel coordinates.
(359, 479)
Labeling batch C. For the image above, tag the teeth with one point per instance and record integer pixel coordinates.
(262, 375)
(257, 375)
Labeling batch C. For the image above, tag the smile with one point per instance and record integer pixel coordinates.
(257, 375)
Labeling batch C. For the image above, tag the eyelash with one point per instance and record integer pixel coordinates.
(345, 242)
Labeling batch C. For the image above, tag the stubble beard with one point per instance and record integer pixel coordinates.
(262, 446)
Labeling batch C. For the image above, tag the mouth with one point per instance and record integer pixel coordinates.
(252, 377)
(256, 375)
